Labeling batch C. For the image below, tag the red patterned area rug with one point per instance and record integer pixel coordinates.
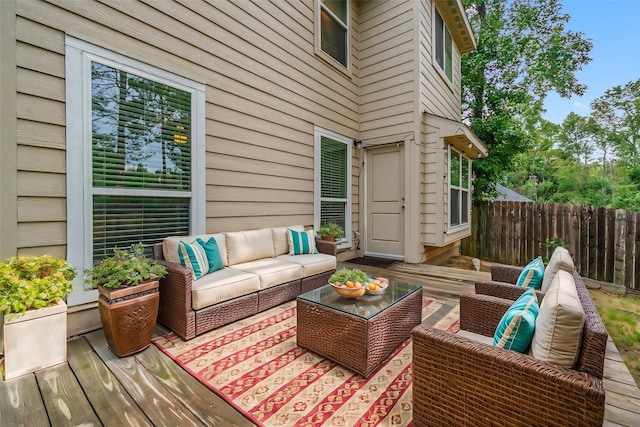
(255, 365)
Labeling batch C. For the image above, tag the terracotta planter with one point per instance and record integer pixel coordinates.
(34, 340)
(128, 316)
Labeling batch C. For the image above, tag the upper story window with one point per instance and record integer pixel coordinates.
(333, 182)
(443, 46)
(135, 144)
(332, 29)
(459, 185)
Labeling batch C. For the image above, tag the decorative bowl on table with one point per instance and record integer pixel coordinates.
(377, 286)
(343, 291)
(350, 282)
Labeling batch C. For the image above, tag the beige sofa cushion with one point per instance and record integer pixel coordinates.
(222, 285)
(479, 338)
(243, 246)
(560, 260)
(170, 246)
(272, 271)
(280, 243)
(558, 334)
(311, 263)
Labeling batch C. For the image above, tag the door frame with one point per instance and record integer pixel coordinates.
(365, 201)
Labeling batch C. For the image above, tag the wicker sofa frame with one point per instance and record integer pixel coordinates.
(458, 381)
(176, 310)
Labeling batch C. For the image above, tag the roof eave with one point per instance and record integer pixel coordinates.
(456, 19)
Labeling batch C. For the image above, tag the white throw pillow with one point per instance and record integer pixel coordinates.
(560, 260)
(558, 333)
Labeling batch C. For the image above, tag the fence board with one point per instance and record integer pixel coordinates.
(604, 243)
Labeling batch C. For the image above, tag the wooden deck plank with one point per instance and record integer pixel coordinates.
(111, 402)
(21, 403)
(162, 408)
(63, 397)
(204, 403)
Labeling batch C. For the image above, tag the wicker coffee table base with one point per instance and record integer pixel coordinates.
(359, 344)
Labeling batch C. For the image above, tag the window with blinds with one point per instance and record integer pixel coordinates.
(141, 159)
(459, 186)
(333, 181)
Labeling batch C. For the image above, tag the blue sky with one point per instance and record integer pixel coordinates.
(614, 28)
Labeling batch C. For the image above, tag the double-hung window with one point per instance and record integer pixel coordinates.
(459, 185)
(333, 182)
(332, 29)
(135, 144)
(443, 51)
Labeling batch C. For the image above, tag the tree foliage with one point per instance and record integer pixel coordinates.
(592, 159)
(524, 51)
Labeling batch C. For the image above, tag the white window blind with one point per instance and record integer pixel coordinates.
(333, 185)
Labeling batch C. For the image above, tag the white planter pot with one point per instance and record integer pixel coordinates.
(34, 340)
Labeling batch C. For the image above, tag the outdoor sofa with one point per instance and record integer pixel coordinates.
(462, 379)
(258, 273)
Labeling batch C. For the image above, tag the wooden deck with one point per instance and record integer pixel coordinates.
(97, 388)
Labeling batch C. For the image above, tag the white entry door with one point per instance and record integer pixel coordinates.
(385, 201)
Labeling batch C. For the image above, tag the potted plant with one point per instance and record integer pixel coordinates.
(127, 284)
(33, 314)
(330, 231)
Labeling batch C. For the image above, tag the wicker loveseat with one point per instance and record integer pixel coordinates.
(462, 381)
(258, 274)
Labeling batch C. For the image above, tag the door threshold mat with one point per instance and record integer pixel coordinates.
(372, 261)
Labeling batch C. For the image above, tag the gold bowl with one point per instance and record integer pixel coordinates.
(349, 292)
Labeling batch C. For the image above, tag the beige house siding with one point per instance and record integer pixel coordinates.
(40, 160)
(265, 91)
(387, 81)
(438, 96)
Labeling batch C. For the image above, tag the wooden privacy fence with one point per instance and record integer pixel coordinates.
(604, 243)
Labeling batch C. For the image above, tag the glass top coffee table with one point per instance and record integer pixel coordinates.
(361, 333)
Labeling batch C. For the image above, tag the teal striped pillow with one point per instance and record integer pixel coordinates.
(532, 274)
(194, 257)
(515, 330)
(301, 242)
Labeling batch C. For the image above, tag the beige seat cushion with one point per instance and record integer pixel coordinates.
(558, 334)
(170, 246)
(243, 246)
(476, 337)
(560, 260)
(272, 271)
(280, 243)
(311, 263)
(222, 285)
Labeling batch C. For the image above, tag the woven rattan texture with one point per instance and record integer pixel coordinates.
(356, 343)
(276, 295)
(505, 273)
(226, 312)
(457, 381)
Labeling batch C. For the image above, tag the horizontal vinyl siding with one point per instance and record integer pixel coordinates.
(265, 91)
(386, 69)
(41, 158)
(437, 95)
(433, 198)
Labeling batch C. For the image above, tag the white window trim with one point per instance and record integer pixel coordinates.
(318, 133)
(434, 61)
(466, 225)
(79, 55)
(318, 38)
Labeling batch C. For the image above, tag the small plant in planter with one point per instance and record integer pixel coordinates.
(128, 286)
(330, 231)
(33, 314)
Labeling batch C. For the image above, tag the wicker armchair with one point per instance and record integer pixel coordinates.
(502, 283)
(458, 381)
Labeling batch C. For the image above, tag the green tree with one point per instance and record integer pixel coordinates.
(524, 52)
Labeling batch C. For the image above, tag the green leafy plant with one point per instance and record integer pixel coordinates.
(126, 267)
(33, 282)
(330, 229)
(349, 275)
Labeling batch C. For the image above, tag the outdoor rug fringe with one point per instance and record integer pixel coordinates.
(255, 365)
